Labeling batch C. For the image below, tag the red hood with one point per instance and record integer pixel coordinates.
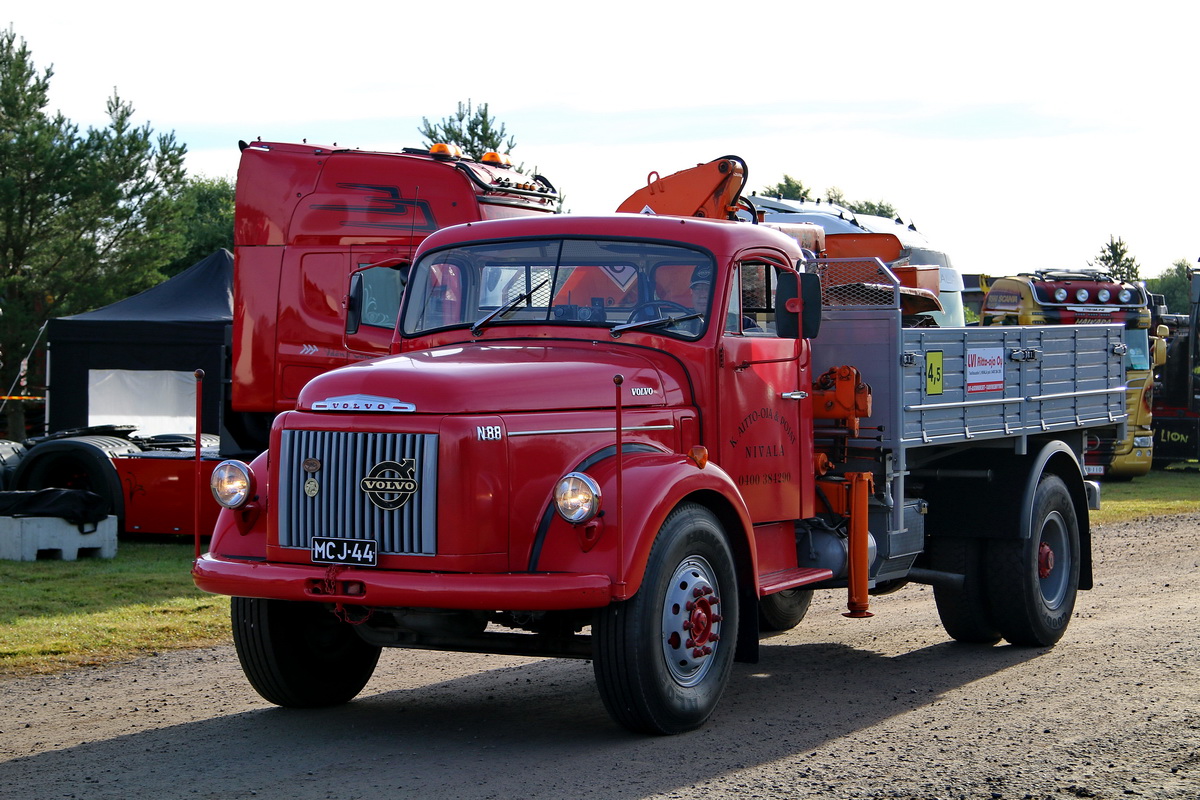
(494, 378)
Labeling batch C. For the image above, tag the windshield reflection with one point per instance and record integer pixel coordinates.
(569, 282)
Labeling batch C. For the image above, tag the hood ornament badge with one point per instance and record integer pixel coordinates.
(362, 402)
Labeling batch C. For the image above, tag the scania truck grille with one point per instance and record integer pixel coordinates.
(371, 486)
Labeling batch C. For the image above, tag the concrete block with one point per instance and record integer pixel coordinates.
(27, 538)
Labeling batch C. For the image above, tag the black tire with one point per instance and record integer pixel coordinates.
(299, 655)
(69, 465)
(784, 610)
(1032, 583)
(654, 674)
(963, 611)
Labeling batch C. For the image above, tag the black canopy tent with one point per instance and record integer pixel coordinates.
(174, 328)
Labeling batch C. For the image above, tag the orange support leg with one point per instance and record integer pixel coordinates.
(858, 599)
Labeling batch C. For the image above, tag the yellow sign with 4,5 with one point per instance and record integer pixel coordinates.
(933, 372)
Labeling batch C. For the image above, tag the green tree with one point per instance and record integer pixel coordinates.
(879, 208)
(477, 132)
(206, 215)
(787, 189)
(85, 218)
(792, 189)
(1175, 286)
(1115, 259)
(473, 129)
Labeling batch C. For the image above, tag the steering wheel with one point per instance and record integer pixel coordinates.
(652, 309)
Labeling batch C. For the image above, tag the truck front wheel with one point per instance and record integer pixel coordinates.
(299, 654)
(1032, 582)
(662, 659)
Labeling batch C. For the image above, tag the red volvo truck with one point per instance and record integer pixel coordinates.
(323, 238)
(643, 440)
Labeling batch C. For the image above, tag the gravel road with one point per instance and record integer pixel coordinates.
(881, 708)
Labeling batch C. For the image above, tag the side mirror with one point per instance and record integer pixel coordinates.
(354, 303)
(798, 305)
(810, 293)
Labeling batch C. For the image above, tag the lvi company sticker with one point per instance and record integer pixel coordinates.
(985, 370)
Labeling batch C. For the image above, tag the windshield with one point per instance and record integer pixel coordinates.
(623, 285)
(1138, 354)
(952, 315)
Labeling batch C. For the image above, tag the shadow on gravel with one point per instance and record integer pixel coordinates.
(537, 730)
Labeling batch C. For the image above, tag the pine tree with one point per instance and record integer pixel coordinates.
(85, 217)
(1115, 259)
(472, 129)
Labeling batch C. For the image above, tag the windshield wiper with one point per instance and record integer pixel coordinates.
(506, 309)
(648, 323)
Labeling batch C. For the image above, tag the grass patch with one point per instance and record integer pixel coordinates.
(60, 614)
(1162, 492)
(55, 615)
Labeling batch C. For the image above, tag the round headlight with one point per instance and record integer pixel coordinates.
(1081, 295)
(1103, 295)
(1124, 295)
(577, 498)
(1060, 294)
(232, 484)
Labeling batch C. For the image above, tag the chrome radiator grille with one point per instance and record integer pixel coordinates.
(335, 503)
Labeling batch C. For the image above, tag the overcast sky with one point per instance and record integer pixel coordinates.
(1014, 135)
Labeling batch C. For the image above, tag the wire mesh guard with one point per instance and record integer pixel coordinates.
(857, 282)
(540, 280)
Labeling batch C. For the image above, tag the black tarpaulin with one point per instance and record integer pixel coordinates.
(177, 326)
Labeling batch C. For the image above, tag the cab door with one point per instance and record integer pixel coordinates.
(762, 397)
(376, 285)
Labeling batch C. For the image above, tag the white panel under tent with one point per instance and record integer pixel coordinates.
(156, 401)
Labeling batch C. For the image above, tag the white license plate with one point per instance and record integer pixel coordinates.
(327, 550)
(1090, 470)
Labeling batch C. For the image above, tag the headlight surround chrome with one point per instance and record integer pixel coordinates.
(577, 498)
(232, 484)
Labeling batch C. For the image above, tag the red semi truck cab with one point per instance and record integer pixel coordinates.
(323, 237)
(640, 440)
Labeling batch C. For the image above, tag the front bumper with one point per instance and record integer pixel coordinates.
(393, 589)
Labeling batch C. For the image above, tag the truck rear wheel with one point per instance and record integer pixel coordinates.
(784, 610)
(662, 659)
(1032, 582)
(299, 654)
(963, 610)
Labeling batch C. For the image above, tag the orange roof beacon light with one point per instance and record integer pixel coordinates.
(497, 159)
(446, 150)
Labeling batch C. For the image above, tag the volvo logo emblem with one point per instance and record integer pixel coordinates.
(390, 484)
